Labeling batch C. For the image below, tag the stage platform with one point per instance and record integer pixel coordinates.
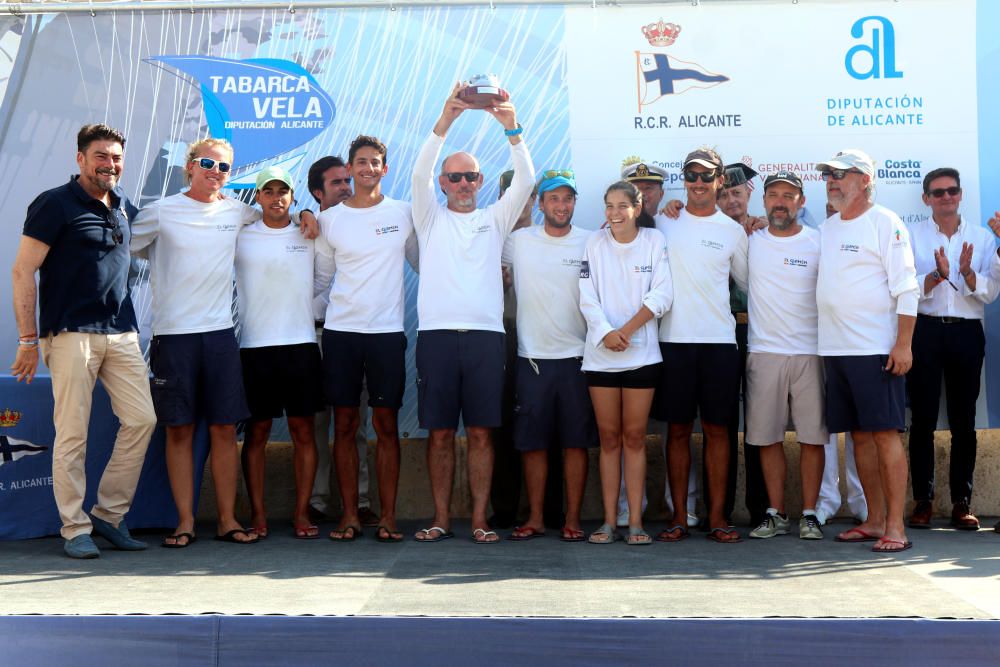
(511, 596)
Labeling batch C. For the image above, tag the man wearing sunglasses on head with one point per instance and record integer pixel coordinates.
(701, 363)
(867, 295)
(953, 261)
(76, 236)
(460, 344)
(190, 241)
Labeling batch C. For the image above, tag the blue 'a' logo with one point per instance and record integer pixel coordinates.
(881, 50)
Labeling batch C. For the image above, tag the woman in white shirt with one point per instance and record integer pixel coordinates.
(624, 286)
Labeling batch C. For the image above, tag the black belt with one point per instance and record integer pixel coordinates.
(946, 319)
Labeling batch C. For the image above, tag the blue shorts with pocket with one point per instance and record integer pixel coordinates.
(552, 402)
(459, 373)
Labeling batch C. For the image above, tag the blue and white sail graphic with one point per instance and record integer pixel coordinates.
(264, 107)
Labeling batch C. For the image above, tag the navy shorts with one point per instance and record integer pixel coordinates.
(862, 396)
(698, 379)
(195, 376)
(282, 380)
(644, 377)
(459, 373)
(350, 359)
(552, 401)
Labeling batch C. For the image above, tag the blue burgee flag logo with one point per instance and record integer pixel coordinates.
(264, 107)
(11, 449)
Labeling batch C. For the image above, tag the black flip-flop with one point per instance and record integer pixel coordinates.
(389, 535)
(345, 536)
(191, 539)
(231, 537)
(716, 535)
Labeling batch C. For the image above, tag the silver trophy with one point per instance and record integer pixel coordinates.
(483, 91)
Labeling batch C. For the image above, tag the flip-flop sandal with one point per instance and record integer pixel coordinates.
(442, 534)
(612, 535)
(231, 537)
(347, 534)
(383, 534)
(260, 533)
(479, 536)
(567, 534)
(191, 539)
(526, 533)
(637, 537)
(673, 534)
(901, 545)
(310, 532)
(863, 536)
(716, 535)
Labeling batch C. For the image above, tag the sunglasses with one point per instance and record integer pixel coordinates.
(116, 230)
(556, 173)
(838, 174)
(705, 176)
(937, 193)
(457, 176)
(208, 164)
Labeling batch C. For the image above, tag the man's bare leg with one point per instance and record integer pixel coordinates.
(774, 466)
(678, 468)
(717, 467)
(180, 471)
(575, 464)
(893, 473)
(480, 476)
(866, 460)
(346, 421)
(254, 460)
(387, 456)
(812, 461)
(225, 472)
(441, 469)
(303, 432)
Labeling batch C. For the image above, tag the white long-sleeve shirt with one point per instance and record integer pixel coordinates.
(866, 279)
(704, 251)
(616, 280)
(191, 246)
(546, 272)
(944, 300)
(461, 286)
(782, 294)
(362, 251)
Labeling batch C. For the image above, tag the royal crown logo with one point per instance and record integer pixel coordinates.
(630, 160)
(660, 33)
(9, 418)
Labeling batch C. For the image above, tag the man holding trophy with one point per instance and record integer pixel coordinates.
(460, 340)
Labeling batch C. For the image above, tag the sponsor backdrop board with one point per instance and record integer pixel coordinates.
(775, 85)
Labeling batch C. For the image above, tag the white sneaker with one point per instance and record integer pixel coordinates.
(623, 517)
(693, 520)
(772, 525)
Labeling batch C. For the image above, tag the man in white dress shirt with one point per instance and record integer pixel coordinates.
(953, 260)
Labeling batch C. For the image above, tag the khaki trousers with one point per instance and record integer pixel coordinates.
(76, 361)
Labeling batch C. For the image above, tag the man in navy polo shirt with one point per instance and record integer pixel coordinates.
(76, 236)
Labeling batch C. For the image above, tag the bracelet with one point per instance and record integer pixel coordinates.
(28, 343)
(516, 131)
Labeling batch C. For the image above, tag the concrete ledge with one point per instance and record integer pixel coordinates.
(415, 496)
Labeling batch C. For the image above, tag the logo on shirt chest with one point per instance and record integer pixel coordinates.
(575, 263)
(714, 245)
(386, 229)
(850, 247)
(296, 248)
(481, 229)
(642, 268)
(792, 261)
(226, 227)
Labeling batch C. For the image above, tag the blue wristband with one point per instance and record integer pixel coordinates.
(516, 131)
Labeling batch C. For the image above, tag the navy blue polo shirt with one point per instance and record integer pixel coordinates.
(83, 282)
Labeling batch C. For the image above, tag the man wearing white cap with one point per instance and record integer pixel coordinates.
(867, 298)
(278, 350)
(648, 178)
(552, 399)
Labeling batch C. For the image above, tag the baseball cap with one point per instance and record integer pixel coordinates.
(557, 178)
(738, 174)
(274, 174)
(850, 158)
(505, 181)
(635, 169)
(706, 157)
(789, 177)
